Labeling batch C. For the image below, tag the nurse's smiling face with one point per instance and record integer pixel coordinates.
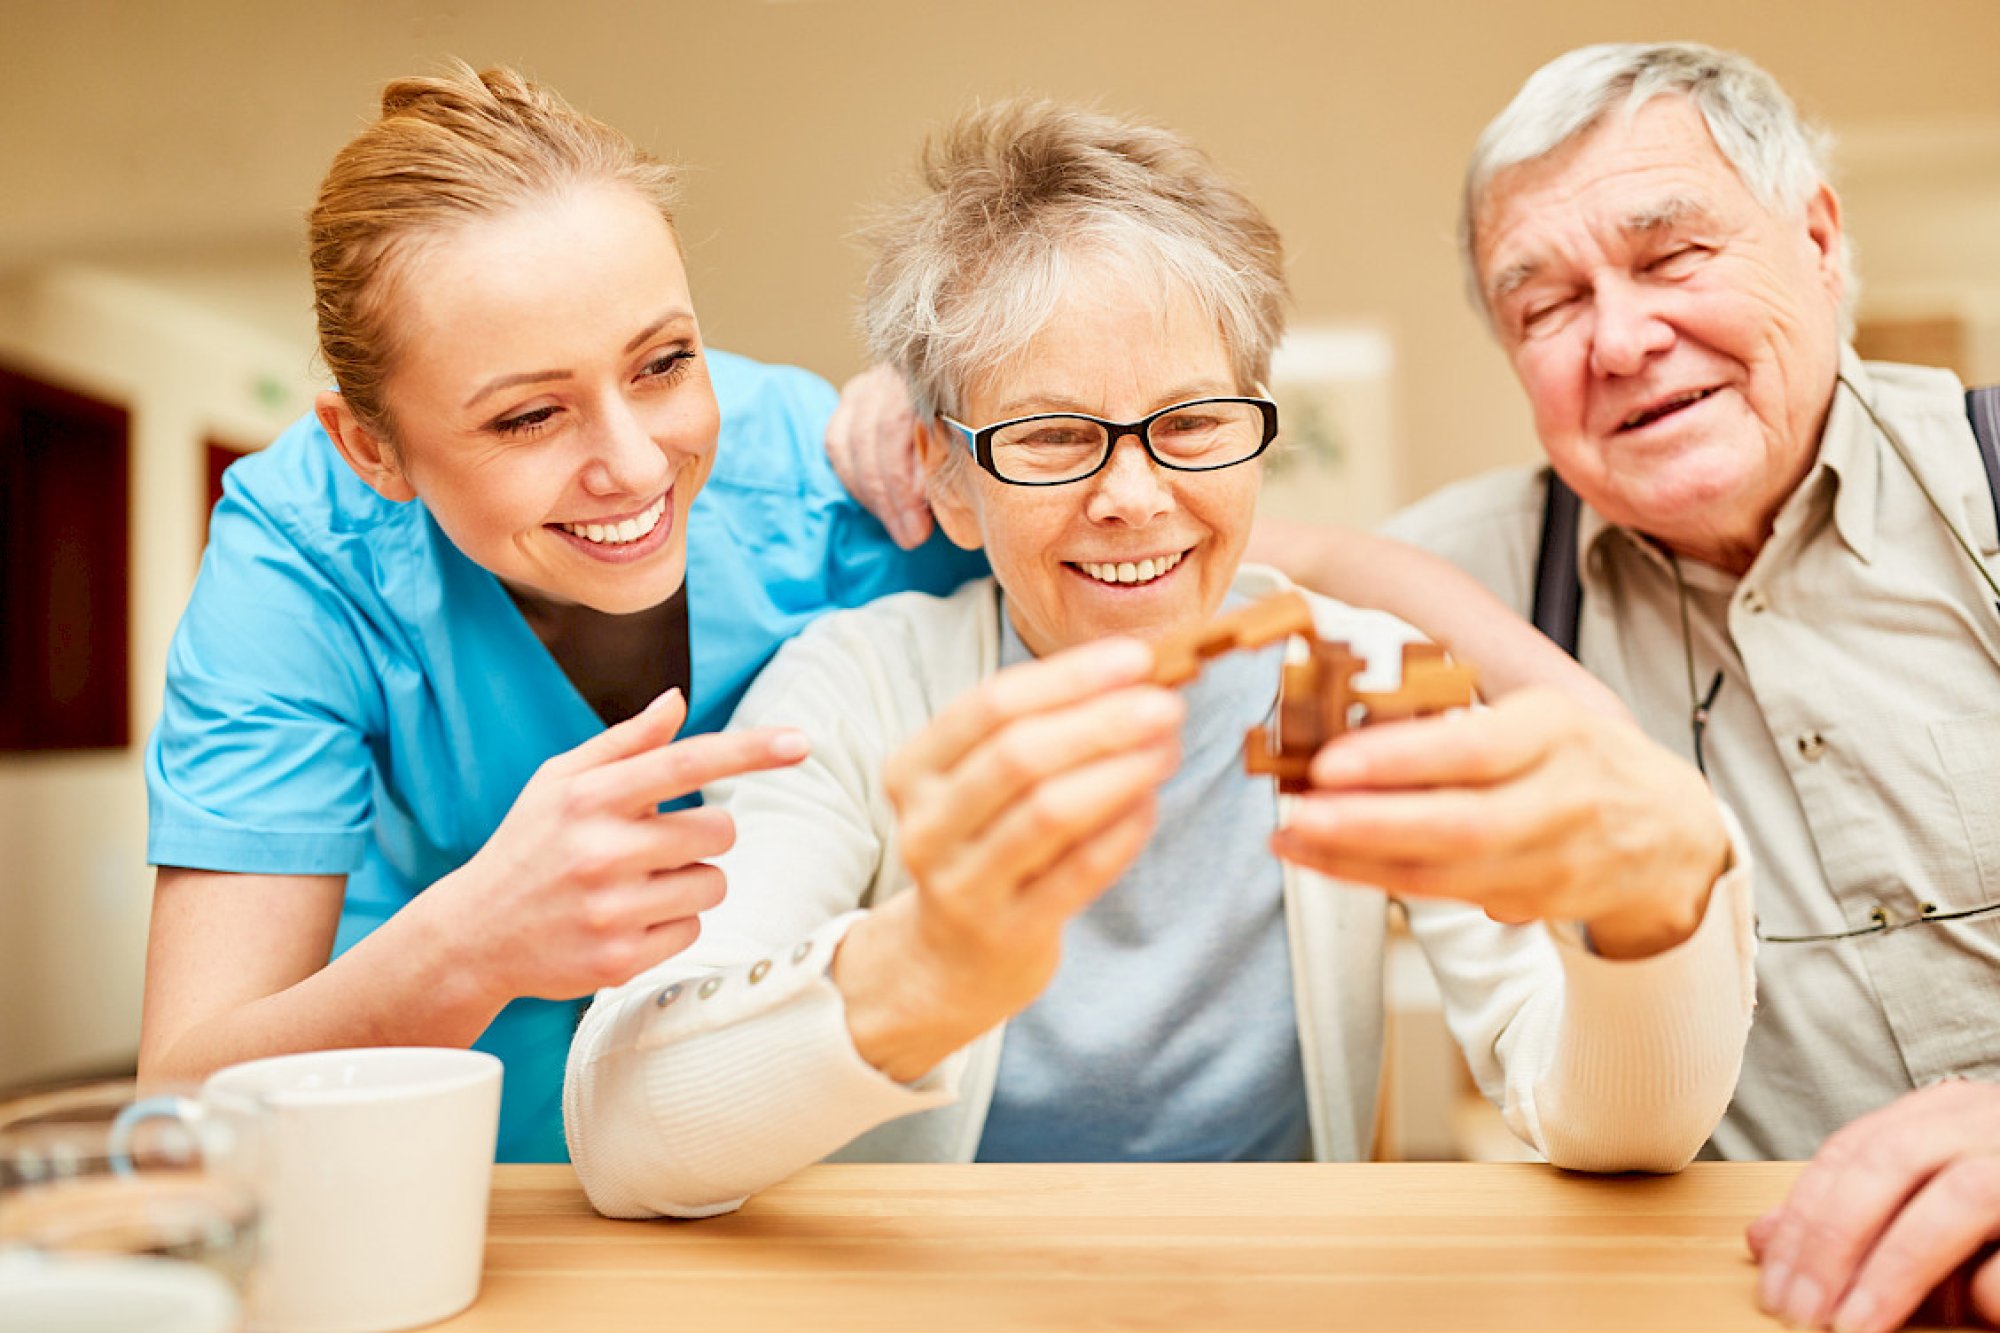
(549, 399)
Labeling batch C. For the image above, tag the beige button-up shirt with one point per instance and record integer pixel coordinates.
(1857, 734)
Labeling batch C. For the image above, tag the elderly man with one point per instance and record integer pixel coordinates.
(1652, 238)
(1779, 555)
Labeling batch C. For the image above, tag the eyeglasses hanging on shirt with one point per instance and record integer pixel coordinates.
(1698, 704)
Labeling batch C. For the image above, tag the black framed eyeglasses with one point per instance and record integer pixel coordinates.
(1054, 448)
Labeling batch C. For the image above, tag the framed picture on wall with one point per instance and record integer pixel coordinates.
(1333, 462)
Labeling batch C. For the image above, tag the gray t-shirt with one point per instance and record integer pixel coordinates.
(1168, 1032)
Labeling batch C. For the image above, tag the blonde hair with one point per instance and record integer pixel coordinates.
(1016, 195)
(446, 150)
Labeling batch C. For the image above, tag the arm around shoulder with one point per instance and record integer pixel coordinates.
(1448, 604)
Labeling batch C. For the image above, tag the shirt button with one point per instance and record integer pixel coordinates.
(759, 970)
(708, 988)
(669, 995)
(1811, 746)
(1753, 602)
(799, 954)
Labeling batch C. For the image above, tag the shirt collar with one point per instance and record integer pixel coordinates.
(1593, 530)
(1851, 453)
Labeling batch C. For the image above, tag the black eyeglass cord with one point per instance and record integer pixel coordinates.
(1698, 721)
(1699, 705)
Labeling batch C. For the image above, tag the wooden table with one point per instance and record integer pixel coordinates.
(945, 1249)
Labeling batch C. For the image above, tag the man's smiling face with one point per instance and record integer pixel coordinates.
(1678, 339)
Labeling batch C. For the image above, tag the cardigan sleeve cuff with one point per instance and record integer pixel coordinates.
(1652, 1047)
(685, 1097)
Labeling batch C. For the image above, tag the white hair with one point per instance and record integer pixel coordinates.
(1023, 196)
(1780, 159)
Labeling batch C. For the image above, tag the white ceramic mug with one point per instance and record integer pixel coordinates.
(375, 1184)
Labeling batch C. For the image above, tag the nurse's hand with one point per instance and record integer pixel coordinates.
(872, 444)
(1018, 806)
(585, 883)
(1533, 809)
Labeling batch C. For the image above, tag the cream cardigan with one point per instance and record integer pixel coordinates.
(729, 1067)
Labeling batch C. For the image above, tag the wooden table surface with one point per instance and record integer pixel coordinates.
(951, 1248)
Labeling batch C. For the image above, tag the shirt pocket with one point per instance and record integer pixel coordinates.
(1969, 749)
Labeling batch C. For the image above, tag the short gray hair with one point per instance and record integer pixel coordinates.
(1780, 159)
(1016, 196)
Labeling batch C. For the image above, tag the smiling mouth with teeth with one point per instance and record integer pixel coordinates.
(623, 533)
(1647, 416)
(1130, 571)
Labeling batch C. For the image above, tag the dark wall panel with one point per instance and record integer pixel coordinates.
(65, 552)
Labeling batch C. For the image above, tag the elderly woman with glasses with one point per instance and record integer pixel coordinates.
(1020, 904)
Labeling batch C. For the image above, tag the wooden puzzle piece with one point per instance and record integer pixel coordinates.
(1317, 698)
(1178, 658)
(1317, 701)
(1432, 683)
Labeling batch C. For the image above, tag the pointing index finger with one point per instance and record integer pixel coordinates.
(679, 769)
(654, 726)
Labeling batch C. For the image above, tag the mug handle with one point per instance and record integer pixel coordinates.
(183, 1111)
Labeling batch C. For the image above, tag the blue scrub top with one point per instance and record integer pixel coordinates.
(348, 694)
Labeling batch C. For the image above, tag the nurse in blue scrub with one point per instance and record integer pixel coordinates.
(455, 634)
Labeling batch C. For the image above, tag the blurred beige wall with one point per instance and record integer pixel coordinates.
(163, 127)
(157, 158)
(74, 887)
